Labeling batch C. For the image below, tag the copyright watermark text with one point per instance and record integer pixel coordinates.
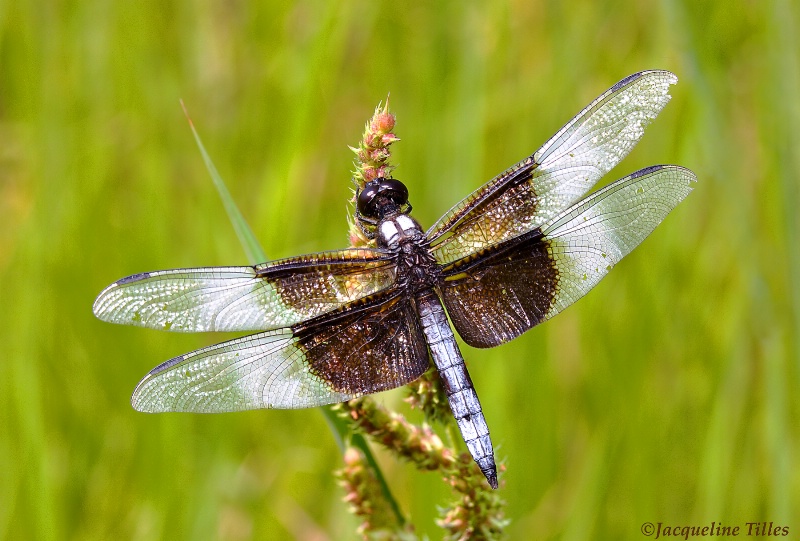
(658, 530)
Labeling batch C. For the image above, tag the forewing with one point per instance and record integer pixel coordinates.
(508, 290)
(333, 358)
(535, 190)
(269, 296)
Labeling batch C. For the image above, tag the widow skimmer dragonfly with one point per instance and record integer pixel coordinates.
(341, 324)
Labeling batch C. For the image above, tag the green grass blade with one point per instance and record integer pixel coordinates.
(255, 253)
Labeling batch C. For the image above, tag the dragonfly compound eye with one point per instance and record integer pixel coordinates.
(377, 193)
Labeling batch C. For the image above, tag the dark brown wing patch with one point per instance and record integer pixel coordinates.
(374, 348)
(502, 295)
(315, 284)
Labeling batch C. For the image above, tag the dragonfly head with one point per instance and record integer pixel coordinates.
(381, 197)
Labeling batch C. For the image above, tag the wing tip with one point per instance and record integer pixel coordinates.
(97, 308)
(98, 305)
(682, 178)
(670, 78)
(687, 174)
(137, 402)
(139, 399)
(684, 172)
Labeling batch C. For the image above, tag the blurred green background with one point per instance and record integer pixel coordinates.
(666, 395)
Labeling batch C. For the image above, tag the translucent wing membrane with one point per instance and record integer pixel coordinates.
(268, 296)
(535, 190)
(590, 238)
(515, 286)
(328, 360)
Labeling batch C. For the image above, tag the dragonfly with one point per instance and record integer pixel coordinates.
(337, 325)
